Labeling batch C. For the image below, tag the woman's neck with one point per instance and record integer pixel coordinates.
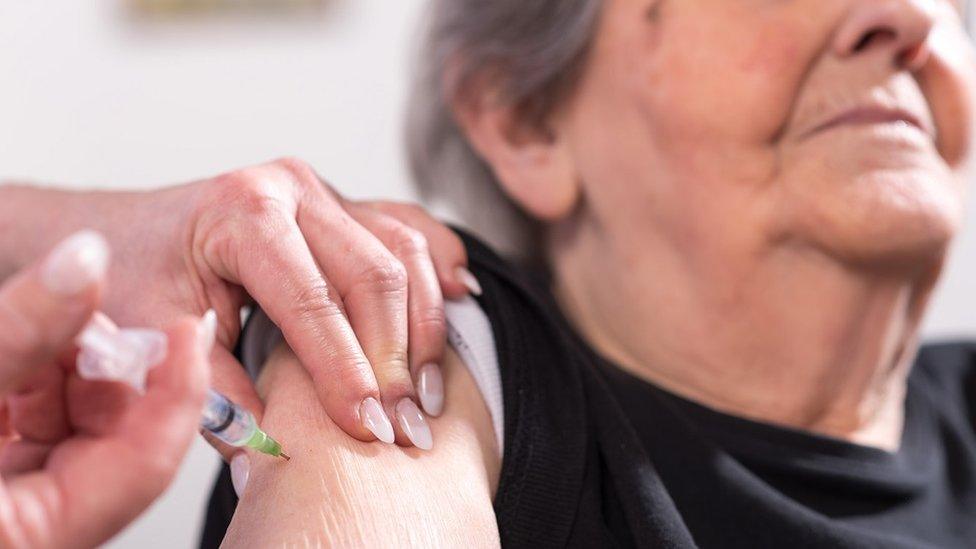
(789, 337)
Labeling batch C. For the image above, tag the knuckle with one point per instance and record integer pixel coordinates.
(240, 181)
(302, 173)
(292, 164)
(387, 275)
(249, 192)
(255, 229)
(430, 321)
(314, 301)
(394, 360)
(407, 241)
(255, 203)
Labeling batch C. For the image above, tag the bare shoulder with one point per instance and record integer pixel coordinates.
(339, 491)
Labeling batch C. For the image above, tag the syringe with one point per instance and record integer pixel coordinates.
(107, 352)
(236, 426)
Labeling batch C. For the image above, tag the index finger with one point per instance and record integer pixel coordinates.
(279, 271)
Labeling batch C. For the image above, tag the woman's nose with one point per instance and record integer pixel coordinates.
(900, 27)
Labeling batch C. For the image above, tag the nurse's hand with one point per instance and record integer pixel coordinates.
(81, 459)
(357, 289)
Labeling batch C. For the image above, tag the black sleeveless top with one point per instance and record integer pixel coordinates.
(597, 458)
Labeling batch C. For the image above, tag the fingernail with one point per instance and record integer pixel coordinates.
(374, 419)
(207, 333)
(412, 421)
(430, 388)
(469, 281)
(240, 470)
(76, 263)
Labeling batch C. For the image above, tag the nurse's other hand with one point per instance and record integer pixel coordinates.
(357, 293)
(81, 459)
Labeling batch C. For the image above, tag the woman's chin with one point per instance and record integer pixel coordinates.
(894, 250)
(883, 218)
(872, 196)
(891, 239)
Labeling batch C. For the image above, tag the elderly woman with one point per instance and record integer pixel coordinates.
(741, 210)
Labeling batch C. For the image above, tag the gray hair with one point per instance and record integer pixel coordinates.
(534, 49)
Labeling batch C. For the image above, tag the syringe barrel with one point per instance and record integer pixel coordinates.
(227, 421)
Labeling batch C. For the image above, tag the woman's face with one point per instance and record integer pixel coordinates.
(838, 125)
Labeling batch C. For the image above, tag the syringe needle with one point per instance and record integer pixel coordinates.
(284, 455)
(235, 425)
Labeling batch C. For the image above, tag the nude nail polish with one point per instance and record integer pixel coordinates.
(240, 471)
(469, 280)
(413, 423)
(374, 419)
(430, 389)
(207, 333)
(76, 263)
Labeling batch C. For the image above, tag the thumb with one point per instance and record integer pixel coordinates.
(43, 307)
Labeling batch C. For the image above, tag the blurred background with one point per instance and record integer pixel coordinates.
(143, 93)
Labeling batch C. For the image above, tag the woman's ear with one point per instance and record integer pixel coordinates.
(530, 158)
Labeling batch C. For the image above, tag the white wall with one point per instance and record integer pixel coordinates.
(91, 97)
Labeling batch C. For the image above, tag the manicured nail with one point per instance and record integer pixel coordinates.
(430, 388)
(240, 470)
(412, 421)
(469, 281)
(374, 419)
(76, 263)
(207, 331)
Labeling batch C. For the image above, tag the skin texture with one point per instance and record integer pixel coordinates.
(80, 459)
(356, 287)
(709, 234)
(709, 230)
(337, 491)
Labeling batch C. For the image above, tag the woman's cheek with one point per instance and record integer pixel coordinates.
(771, 67)
(739, 84)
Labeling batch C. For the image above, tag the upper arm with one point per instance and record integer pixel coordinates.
(340, 491)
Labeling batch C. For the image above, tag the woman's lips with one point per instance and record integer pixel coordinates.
(868, 115)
